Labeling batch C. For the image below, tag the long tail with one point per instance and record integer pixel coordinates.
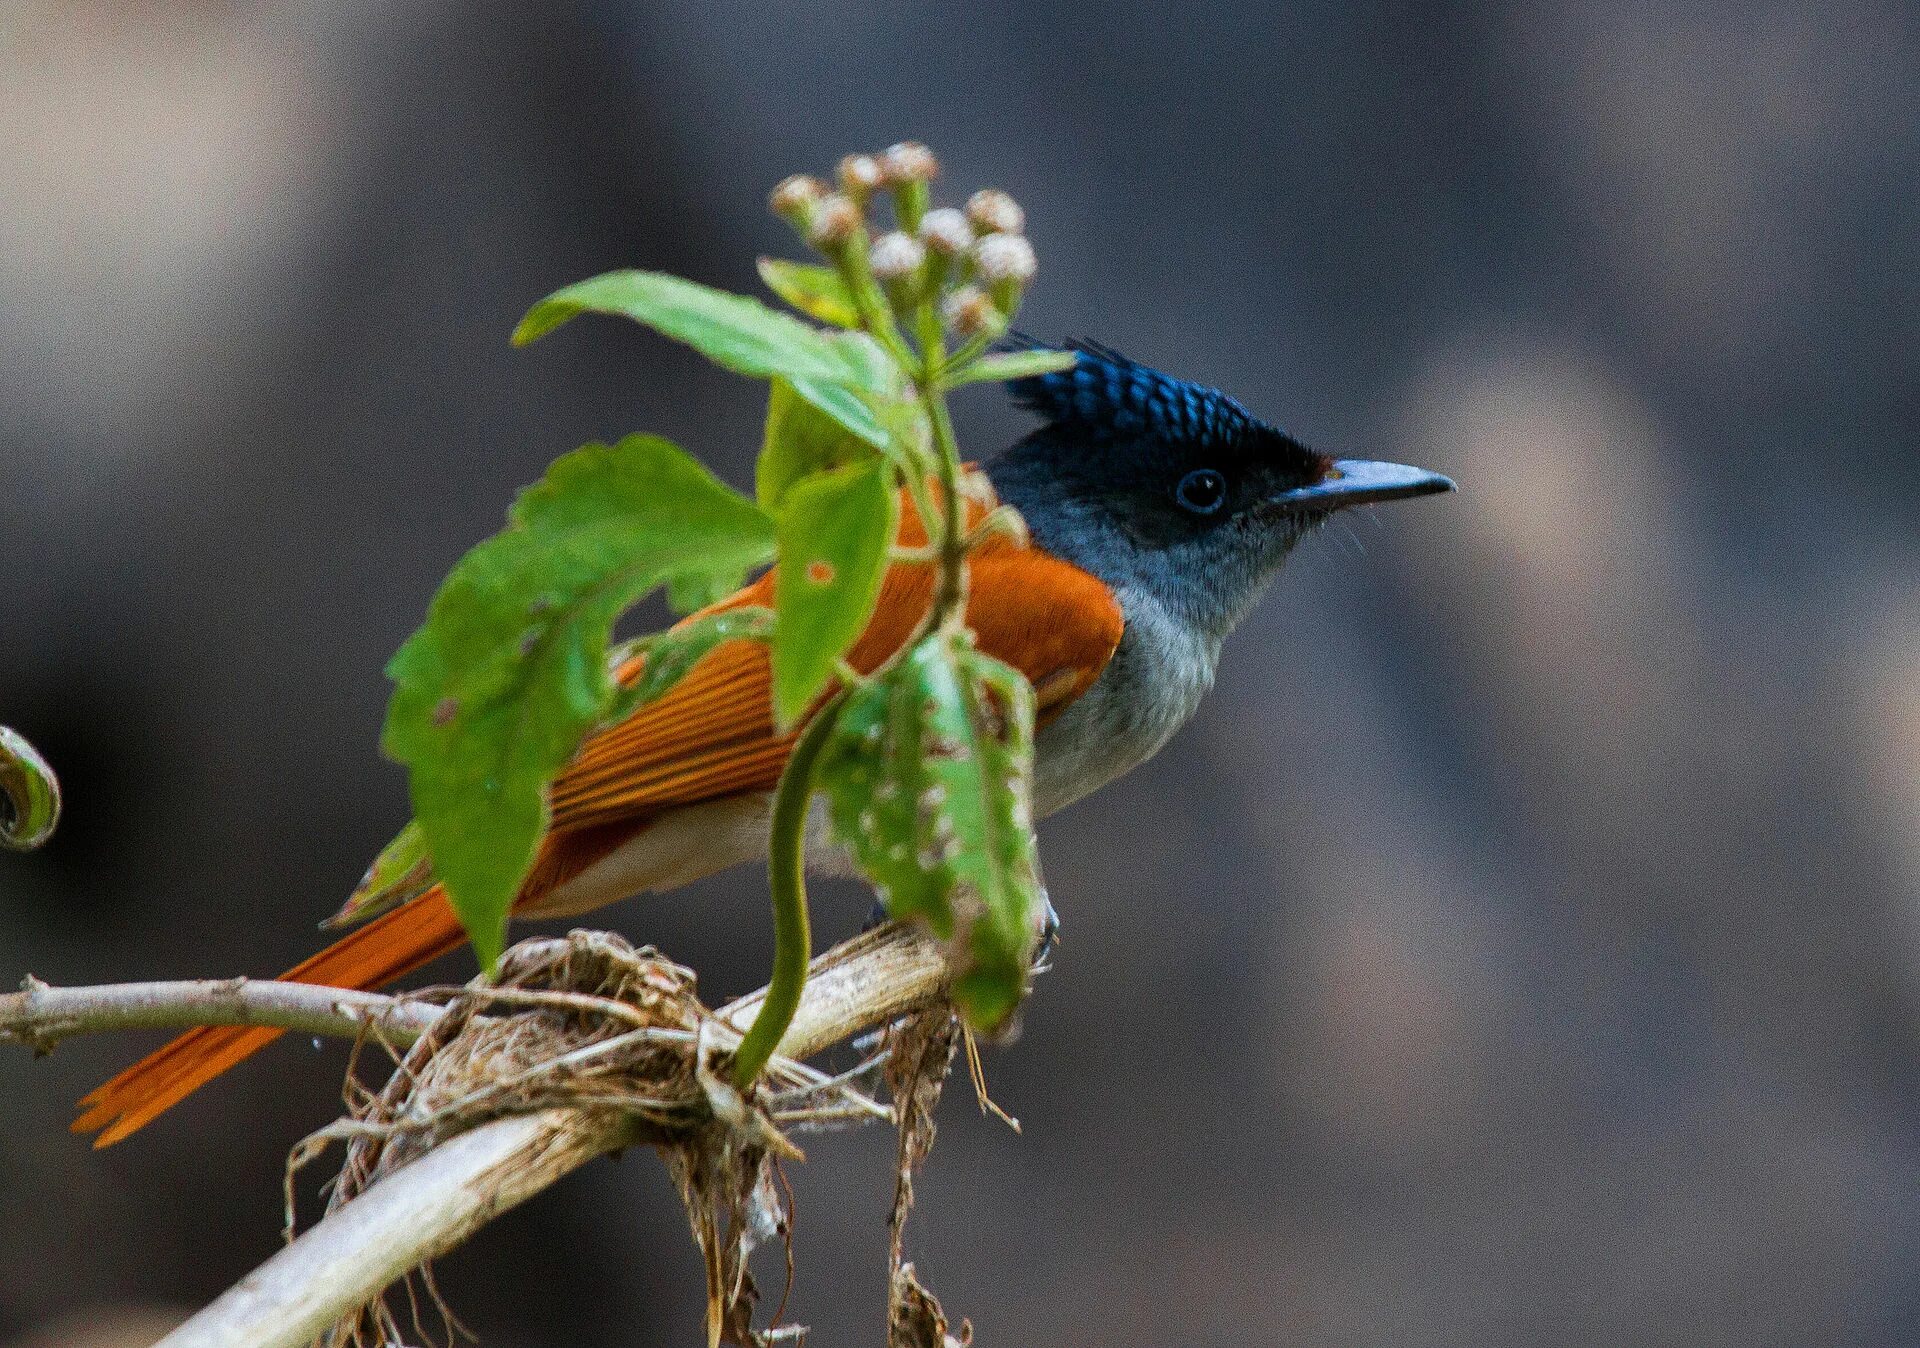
(376, 954)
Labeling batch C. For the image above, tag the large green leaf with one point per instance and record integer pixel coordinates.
(736, 332)
(835, 530)
(495, 692)
(929, 780)
(816, 291)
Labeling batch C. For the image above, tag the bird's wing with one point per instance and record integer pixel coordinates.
(713, 735)
(709, 738)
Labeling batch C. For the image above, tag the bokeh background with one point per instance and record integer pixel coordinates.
(1521, 946)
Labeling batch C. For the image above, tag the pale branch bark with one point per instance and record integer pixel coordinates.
(420, 1211)
(40, 1016)
(433, 1204)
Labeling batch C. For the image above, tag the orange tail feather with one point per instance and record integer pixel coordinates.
(376, 954)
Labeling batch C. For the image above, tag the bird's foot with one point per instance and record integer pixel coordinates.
(1046, 930)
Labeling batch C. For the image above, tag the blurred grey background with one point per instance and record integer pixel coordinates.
(1522, 946)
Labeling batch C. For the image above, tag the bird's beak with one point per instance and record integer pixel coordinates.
(1352, 482)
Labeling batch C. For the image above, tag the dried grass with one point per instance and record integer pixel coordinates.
(591, 1023)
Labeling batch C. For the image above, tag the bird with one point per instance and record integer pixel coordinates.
(1157, 511)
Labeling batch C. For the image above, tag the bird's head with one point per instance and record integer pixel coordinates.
(1174, 490)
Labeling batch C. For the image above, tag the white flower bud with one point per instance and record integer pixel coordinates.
(897, 256)
(834, 221)
(1004, 257)
(946, 231)
(860, 175)
(994, 212)
(908, 162)
(970, 313)
(793, 200)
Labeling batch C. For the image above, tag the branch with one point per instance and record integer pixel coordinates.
(433, 1204)
(40, 1016)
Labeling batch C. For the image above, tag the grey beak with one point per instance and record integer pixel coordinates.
(1353, 482)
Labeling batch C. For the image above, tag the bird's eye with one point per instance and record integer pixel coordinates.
(1203, 491)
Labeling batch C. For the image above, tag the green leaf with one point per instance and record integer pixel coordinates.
(929, 781)
(495, 692)
(879, 389)
(671, 655)
(403, 871)
(736, 332)
(695, 590)
(835, 530)
(1010, 365)
(816, 291)
(800, 440)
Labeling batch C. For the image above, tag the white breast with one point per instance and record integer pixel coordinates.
(1154, 683)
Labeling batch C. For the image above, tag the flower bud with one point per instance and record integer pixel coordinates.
(834, 221)
(946, 232)
(896, 256)
(994, 212)
(794, 199)
(899, 264)
(860, 176)
(970, 313)
(908, 162)
(1004, 257)
(1004, 264)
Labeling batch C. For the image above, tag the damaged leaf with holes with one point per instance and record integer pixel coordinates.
(929, 781)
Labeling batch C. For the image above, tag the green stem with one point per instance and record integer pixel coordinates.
(950, 594)
(967, 354)
(787, 878)
(876, 314)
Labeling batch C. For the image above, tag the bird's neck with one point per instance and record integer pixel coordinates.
(1206, 589)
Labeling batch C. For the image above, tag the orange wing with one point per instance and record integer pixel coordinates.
(711, 737)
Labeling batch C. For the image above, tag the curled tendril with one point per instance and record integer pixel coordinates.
(29, 794)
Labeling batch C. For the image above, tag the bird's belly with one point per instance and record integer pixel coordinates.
(683, 845)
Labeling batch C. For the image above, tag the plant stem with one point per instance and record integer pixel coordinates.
(787, 879)
(876, 315)
(950, 591)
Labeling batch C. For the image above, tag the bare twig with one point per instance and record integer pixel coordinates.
(432, 1204)
(40, 1016)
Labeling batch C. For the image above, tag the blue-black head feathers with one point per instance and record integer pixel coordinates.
(1107, 398)
(1128, 434)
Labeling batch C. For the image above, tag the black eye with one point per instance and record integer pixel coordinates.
(1203, 491)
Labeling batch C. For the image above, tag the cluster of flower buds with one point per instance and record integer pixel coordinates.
(970, 266)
